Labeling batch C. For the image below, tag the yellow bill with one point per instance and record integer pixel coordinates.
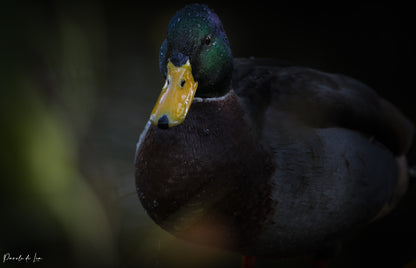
(176, 96)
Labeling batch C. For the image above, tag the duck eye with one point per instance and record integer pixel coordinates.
(208, 40)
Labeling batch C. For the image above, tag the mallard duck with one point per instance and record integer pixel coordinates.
(260, 157)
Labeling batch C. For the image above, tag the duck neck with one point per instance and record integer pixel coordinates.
(218, 89)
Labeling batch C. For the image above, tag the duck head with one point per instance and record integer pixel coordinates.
(195, 59)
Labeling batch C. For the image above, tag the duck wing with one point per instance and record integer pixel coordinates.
(320, 100)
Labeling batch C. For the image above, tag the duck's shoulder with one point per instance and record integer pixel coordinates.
(318, 99)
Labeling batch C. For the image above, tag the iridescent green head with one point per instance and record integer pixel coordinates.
(196, 33)
(195, 59)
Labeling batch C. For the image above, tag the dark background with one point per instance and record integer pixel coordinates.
(78, 81)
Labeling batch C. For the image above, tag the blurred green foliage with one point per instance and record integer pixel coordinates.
(50, 76)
